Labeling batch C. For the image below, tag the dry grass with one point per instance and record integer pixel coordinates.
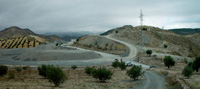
(76, 79)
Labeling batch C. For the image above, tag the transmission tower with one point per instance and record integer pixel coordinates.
(141, 35)
(162, 44)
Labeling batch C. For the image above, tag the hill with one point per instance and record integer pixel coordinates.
(152, 38)
(15, 31)
(67, 36)
(15, 37)
(185, 31)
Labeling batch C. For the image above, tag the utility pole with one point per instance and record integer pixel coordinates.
(141, 36)
(162, 44)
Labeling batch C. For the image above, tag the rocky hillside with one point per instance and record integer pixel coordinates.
(152, 37)
(195, 38)
(102, 44)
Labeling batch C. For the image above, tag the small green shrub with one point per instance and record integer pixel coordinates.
(165, 46)
(122, 66)
(25, 67)
(102, 74)
(74, 67)
(89, 70)
(196, 64)
(115, 64)
(187, 71)
(185, 60)
(42, 69)
(55, 75)
(135, 72)
(149, 52)
(3, 70)
(11, 75)
(169, 61)
(18, 69)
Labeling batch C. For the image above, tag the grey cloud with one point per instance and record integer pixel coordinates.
(95, 15)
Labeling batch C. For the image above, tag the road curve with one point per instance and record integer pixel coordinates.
(132, 52)
(151, 79)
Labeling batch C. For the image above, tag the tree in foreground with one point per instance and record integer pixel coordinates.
(135, 72)
(3, 70)
(169, 61)
(89, 70)
(149, 52)
(187, 71)
(122, 66)
(42, 70)
(196, 64)
(115, 64)
(102, 74)
(55, 75)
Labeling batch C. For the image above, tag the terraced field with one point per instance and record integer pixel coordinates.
(19, 42)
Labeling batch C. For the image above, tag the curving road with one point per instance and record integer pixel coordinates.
(151, 79)
(132, 52)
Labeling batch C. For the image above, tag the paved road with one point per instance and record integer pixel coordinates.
(151, 79)
(132, 52)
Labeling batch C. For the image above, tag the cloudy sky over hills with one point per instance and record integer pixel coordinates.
(97, 15)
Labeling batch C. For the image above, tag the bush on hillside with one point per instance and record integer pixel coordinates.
(169, 61)
(102, 74)
(18, 69)
(3, 70)
(165, 46)
(149, 52)
(196, 64)
(187, 71)
(74, 67)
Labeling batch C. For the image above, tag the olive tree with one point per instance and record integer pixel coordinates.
(149, 52)
(169, 61)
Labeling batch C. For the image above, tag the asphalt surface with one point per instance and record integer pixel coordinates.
(151, 80)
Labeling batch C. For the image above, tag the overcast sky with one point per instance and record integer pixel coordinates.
(97, 15)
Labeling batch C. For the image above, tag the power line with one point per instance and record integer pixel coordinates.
(141, 24)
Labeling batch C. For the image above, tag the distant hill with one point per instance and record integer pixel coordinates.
(185, 31)
(67, 36)
(15, 31)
